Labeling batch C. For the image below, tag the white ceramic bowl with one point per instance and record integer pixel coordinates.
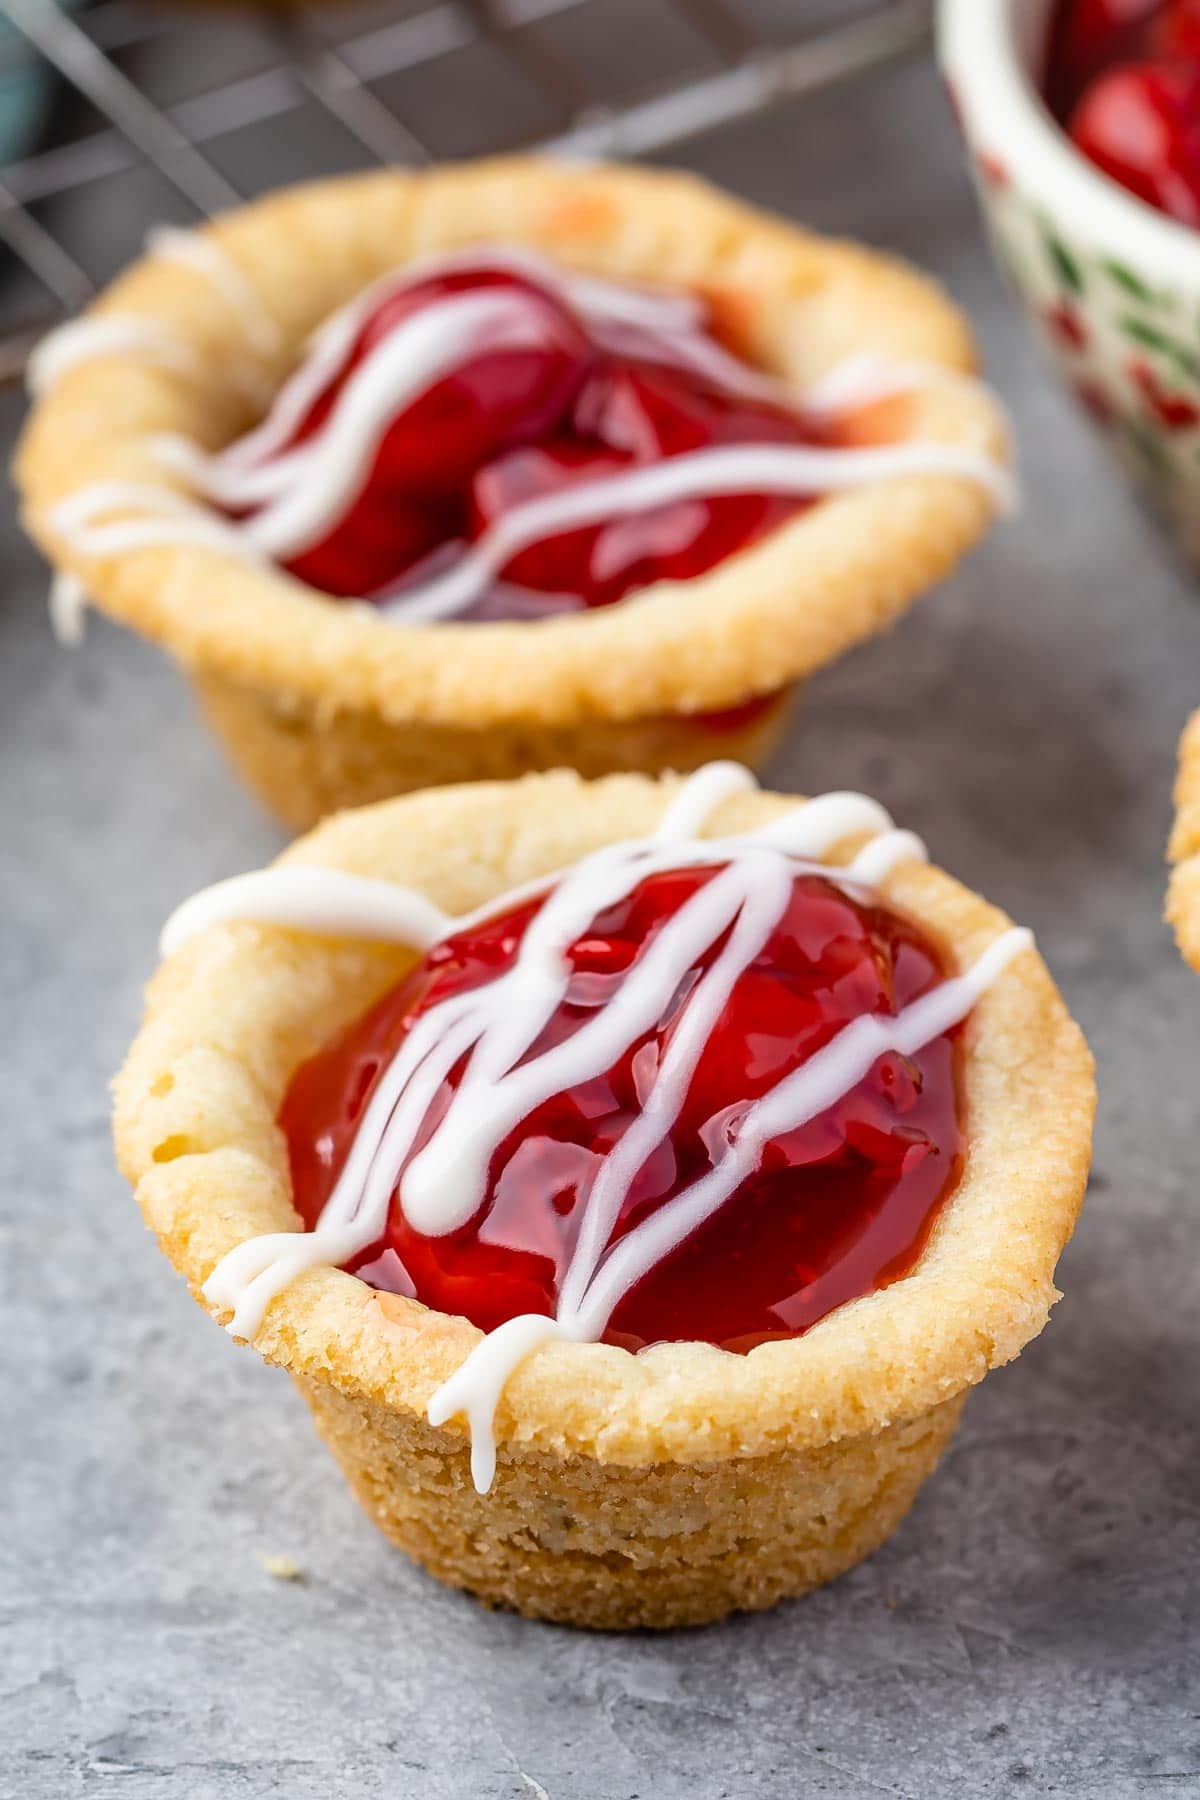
(1112, 286)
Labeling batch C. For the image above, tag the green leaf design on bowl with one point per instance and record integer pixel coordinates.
(1151, 338)
(1065, 265)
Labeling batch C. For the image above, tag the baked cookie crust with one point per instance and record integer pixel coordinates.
(1183, 894)
(661, 1488)
(795, 303)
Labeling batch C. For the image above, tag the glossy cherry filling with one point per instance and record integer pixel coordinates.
(514, 423)
(1123, 76)
(835, 1210)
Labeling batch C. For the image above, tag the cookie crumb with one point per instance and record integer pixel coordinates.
(282, 1568)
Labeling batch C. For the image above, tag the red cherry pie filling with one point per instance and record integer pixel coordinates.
(835, 1209)
(524, 388)
(1124, 78)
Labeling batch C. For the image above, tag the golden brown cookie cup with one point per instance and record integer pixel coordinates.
(268, 649)
(659, 1489)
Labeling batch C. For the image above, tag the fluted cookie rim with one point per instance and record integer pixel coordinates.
(766, 616)
(231, 1014)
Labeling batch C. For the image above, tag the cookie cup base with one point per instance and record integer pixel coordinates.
(304, 766)
(613, 1547)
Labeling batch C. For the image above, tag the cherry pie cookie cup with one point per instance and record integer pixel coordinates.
(1183, 899)
(650, 1479)
(545, 340)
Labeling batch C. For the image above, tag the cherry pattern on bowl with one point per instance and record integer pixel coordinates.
(1125, 339)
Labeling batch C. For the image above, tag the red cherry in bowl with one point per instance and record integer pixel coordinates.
(1175, 33)
(1091, 35)
(1140, 123)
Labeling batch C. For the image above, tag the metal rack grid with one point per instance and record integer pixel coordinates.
(162, 112)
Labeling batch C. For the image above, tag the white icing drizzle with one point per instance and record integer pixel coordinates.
(155, 516)
(866, 377)
(125, 334)
(695, 475)
(318, 900)
(302, 517)
(668, 326)
(308, 489)
(106, 334)
(494, 1027)
(332, 342)
(301, 493)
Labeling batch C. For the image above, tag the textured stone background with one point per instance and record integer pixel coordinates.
(1031, 1630)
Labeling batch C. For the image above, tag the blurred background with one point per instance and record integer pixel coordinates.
(117, 113)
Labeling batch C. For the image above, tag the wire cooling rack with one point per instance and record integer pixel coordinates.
(134, 112)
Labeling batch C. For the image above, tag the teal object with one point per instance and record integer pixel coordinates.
(26, 93)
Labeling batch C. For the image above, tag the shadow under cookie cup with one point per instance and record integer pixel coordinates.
(371, 706)
(660, 1489)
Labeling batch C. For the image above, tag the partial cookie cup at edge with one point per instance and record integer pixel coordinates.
(657, 1489)
(1183, 894)
(795, 303)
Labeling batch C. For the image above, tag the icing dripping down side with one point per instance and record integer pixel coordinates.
(492, 1032)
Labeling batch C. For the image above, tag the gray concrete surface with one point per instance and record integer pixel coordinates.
(1032, 1629)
